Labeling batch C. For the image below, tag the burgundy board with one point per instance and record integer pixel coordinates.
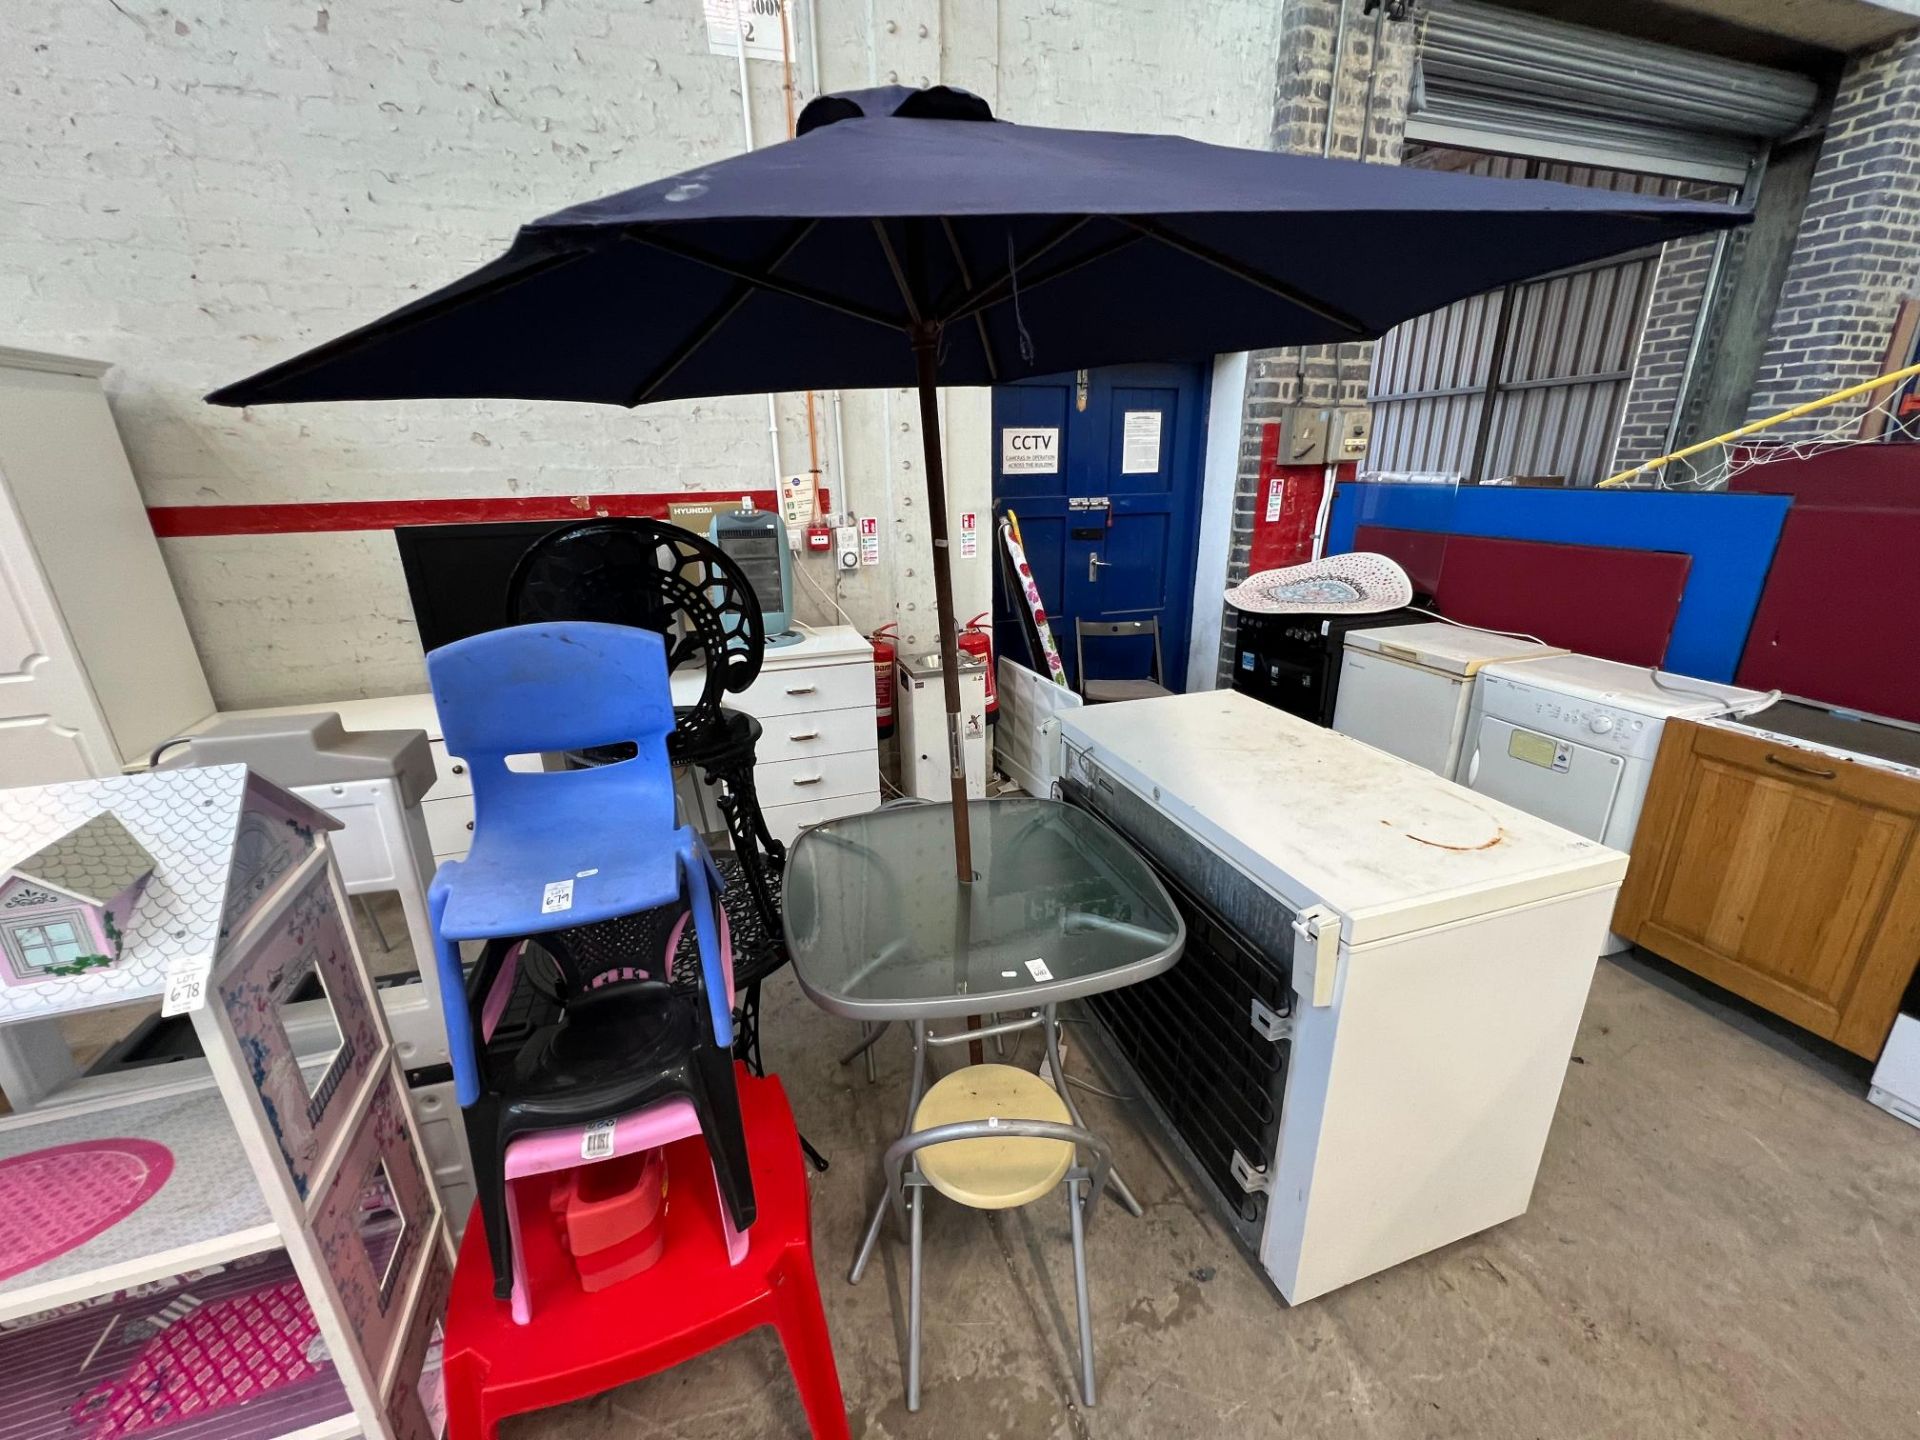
(1592, 599)
(1839, 619)
(1855, 477)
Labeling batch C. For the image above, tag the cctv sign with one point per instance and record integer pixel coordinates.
(1030, 452)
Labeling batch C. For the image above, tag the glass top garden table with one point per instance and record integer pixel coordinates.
(1060, 907)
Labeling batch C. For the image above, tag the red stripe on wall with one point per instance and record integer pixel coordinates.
(175, 521)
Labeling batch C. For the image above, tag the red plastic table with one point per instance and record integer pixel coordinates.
(580, 1344)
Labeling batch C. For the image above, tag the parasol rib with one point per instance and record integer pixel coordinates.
(653, 239)
(711, 326)
(1175, 241)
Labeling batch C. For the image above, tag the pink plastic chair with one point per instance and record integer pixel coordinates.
(545, 1151)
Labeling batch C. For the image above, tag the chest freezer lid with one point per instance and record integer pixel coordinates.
(1451, 649)
(1319, 818)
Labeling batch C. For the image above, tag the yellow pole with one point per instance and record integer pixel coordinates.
(1893, 377)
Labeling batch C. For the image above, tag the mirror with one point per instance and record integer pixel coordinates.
(380, 1224)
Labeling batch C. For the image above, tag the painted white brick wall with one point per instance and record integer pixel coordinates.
(197, 188)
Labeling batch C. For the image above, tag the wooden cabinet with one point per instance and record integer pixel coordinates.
(1790, 876)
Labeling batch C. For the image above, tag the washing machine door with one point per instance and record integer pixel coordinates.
(1571, 784)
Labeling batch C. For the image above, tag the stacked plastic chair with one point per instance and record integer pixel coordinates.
(572, 1042)
(556, 855)
(661, 577)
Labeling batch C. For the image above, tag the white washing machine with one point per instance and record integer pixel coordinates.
(1571, 738)
(1408, 689)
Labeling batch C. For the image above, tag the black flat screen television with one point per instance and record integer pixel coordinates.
(457, 574)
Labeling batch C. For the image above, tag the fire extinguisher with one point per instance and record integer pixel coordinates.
(883, 679)
(976, 639)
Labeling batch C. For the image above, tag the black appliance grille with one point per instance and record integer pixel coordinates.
(1188, 1037)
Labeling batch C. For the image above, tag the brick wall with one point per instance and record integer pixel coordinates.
(1666, 338)
(1858, 251)
(1368, 101)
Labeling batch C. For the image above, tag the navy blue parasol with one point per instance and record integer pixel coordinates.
(906, 237)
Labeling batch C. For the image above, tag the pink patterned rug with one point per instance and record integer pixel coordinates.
(53, 1200)
(218, 1355)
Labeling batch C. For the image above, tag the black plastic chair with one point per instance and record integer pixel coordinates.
(661, 577)
(587, 1028)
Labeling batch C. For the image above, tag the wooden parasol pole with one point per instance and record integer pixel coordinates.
(926, 341)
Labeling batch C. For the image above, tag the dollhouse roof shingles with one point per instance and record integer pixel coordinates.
(94, 861)
(189, 822)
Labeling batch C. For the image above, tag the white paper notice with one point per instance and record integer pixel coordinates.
(969, 534)
(557, 896)
(1140, 443)
(1030, 452)
(869, 539)
(759, 25)
(1276, 492)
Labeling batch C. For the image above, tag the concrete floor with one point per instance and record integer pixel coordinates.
(1724, 1241)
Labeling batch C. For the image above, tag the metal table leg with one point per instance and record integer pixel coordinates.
(870, 1033)
(914, 1091)
(1118, 1187)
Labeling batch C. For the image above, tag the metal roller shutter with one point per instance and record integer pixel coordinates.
(1529, 380)
(1517, 84)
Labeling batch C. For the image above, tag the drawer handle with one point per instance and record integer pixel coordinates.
(805, 735)
(801, 689)
(809, 780)
(1798, 769)
(459, 769)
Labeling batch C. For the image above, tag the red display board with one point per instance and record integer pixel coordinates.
(1592, 599)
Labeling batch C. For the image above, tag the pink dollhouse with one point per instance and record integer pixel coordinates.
(64, 908)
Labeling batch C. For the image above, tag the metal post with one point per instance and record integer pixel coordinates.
(1080, 1288)
(916, 1199)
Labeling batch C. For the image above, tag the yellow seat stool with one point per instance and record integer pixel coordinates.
(993, 1137)
(999, 1172)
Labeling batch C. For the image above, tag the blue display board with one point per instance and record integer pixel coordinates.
(1730, 537)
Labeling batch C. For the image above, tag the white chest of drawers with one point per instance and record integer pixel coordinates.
(818, 755)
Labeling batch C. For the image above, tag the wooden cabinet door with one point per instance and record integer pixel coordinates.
(1787, 876)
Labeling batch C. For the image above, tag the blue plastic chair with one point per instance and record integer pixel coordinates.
(571, 851)
(557, 849)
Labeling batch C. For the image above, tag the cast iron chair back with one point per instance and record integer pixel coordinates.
(652, 576)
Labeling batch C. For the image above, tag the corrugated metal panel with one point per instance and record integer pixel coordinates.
(1564, 363)
(1496, 79)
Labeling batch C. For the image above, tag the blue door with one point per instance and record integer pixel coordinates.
(1102, 468)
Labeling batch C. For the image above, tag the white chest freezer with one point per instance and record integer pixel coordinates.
(1362, 1048)
(1407, 689)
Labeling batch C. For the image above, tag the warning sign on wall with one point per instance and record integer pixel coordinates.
(1030, 452)
(969, 535)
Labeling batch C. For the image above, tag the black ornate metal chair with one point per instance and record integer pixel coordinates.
(661, 577)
